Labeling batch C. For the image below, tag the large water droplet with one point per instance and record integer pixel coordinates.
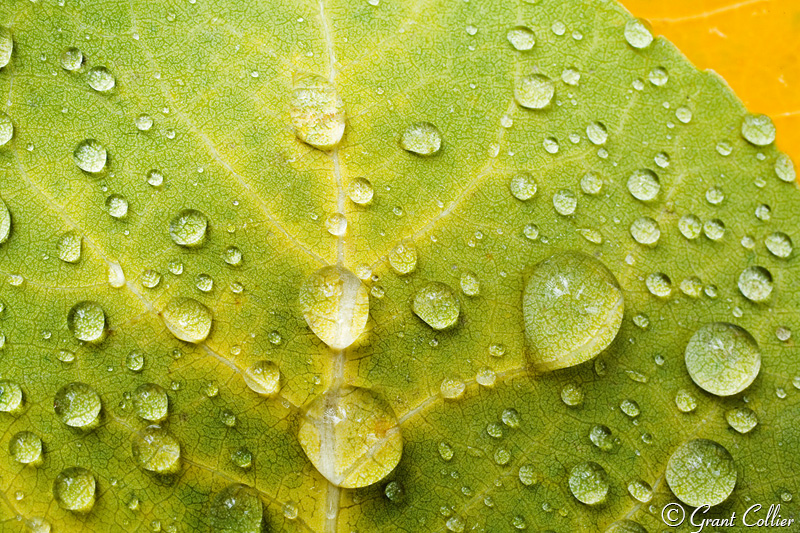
(360, 191)
(87, 321)
(755, 282)
(188, 228)
(151, 402)
(758, 130)
(521, 38)
(701, 472)
(90, 156)
(188, 319)
(779, 244)
(352, 437)
(77, 405)
(335, 305)
(117, 206)
(317, 111)
(6, 46)
(156, 450)
(597, 133)
(6, 128)
(523, 186)
(644, 185)
(74, 489)
(236, 509)
(403, 258)
(10, 396)
(573, 307)
(534, 92)
(436, 304)
(100, 79)
(645, 231)
(421, 138)
(638, 34)
(588, 483)
(69, 247)
(26, 448)
(263, 377)
(565, 202)
(722, 358)
(742, 419)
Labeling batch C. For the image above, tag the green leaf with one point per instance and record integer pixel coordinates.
(509, 219)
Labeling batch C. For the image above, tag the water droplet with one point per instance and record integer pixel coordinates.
(74, 489)
(571, 76)
(155, 178)
(263, 377)
(394, 491)
(597, 133)
(779, 244)
(65, 356)
(336, 224)
(510, 417)
(100, 79)
(521, 38)
(661, 159)
(588, 483)
(188, 319)
(436, 305)
(523, 186)
(77, 405)
(90, 156)
(558, 27)
(352, 437)
(117, 206)
(527, 475)
(692, 286)
(6, 46)
(763, 212)
(470, 285)
(573, 309)
(150, 279)
(645, 230)
(317, 111)
(360, 191)
(684, 114)
(640, 490)
(630, 408)
(452, 388)
(722, 358)
(690, 226)
(572, 395)
(6, 129)
(534, 92)
(784, 168)
(486, 377)
(335, 305)
(237, 509)
(638, 34)
(714, 229)
(403, 258)
(134, 361)
(531, 231)
(151, 402)
(550, 145)
(701, 472)
(242, 457)
(502, 456)
(755, 283)
(601, 437)
(144, 122)
(784, 334)
(644, 185)
(188, 228)
(565, 202)
(685, 401)
(455, 524)
(10, 396)
(658, 76)
(69, 247)
(71, 59)
(421, 138)
(87, 321)
(714, 195)
(445, 451)
(758, 130)
(742, 419)
(156, 450)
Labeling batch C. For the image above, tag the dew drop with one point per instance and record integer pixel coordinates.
(714, 229)
(117, 206)
(421, 138)
(403, 258)
(87, 322)
(722, 358)
(755, 283)
(640, 490)
(701, 472)
(155, 178)
(71, 59)
(531, 232)
(335, 304)
(452, 388)
(77, 405)
(630, 408)
(658, 76)
(6, 46)
(26, 448)
(150, 279)
(155, 450)
(436, 305)
(591, 183)
(445, 451)
(187, 319)
(242, 457)
(644, 185)
(659, 284)
(360, 191)
(784, 168)
(661, 159)
(470, 285)
(534, 92)
(10, 396)
(572, 395)
(601, 437)
(758, 130)
(90, 156)
(143, 122)
(317, 111)
(684, 114)
(690, 226)
(336, 224)
(565, 202)
(6, 129)
(237, 509)
(100, 79)
(188, 228)
(523, 186)
(69, 247)
(134, 361)
(597, 133)
(521, 38)
(779, 244)
(742, 419)
(151, 402)
(486, 377)
(74, 489)
(645, 231)
(571, 76)
(685, 401)
(263, 377)
(588, 483)
(510, 417)
(550, 145)
(502, 456)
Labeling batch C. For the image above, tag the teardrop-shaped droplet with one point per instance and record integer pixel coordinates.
(154, 449)
(588, 483)
(644, 185)
(436, 304)
(755, 283)
(188, 319)
(6, 129)
(317, 111)
(69, 247)
(6, 46)
(335, 304)
(638, 34)
(701, 472)
(236, 509)
(573, 307)
(722, 358)
(403, 258)
(534, 92)
(90, 156)
(100, 79)
(77, 405)
(151, 402)
(521, 38)
(758, 130)
(74, 489)
(26, 448)
(263, 377)
(352, 437)
(742, 419)
(421, 138)
(10, 396)
(87, 321)
(188, 228)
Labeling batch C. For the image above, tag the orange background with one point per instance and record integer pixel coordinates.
(753, 44)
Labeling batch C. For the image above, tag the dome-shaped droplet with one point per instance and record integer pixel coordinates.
(26, 448)
(5, 222)
(77, 405)
(534, 92)
(638, 34)
(644, 185)
(71, 59)
(360, 191)
(10, 396)
(645, 231)
(452, 388)
(784, 168)
(69, 247)
(625, 526)
(601, 437)
(779, 244)
(74, 489)
(144, 122)
(403, 258)
(117, 206)
(421, 138)
(758, 130)
(572, 395)
(335, 304)
(565, 202)
(90, 156)
(684, 114)
(742, 419)
(571, 76)
(588, 483)
(236, 509)
(155, 178)
(87, 321)
(722, 358)
(658, 76)
(242, 457)
(573, 307)
(701, 472)
(100, 79)
(436, 304)
(154, 449)
(6, 128)
(521, 38)
(232, 256)
(470, 284)
(317, 111)
(591, 183)
(352, 437)
(151, 402)
(690, 226)
(714, 229)
(188, 228)
(640, 490)
(263, 377)
(6, 46)
(523, 186)
(188, 319)
(685, 401)
(755, 283)
(597, 133)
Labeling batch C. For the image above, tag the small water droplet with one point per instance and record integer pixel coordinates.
(572, 395)
(100, 79)
(436, 305)
(571, 76)
(360, 191)
(742, 419)
(685, 401)
(534, 92)
(510, 417)
(630, 408)
(69, 247)
(591, 183)
(779, 244)
(601, 437)
(565, 202)
(336, 224)
(470, 285)
(523, 186)
(155, 178)
(188, 228)
(588, 483)
(486, 377)
(645, 231)
(658, 76)
(187, 319)
(714, 229)
(134, 361)
(452, 388)
(684, 114)
(144, 122)
(640, 490)
(77, 405)
(117, 206)
(784, 168)
(596, 132)
(421, 138)
(90, 156)
(87, 322)
(521, 38)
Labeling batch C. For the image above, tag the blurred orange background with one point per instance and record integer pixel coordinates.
(753, 44)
